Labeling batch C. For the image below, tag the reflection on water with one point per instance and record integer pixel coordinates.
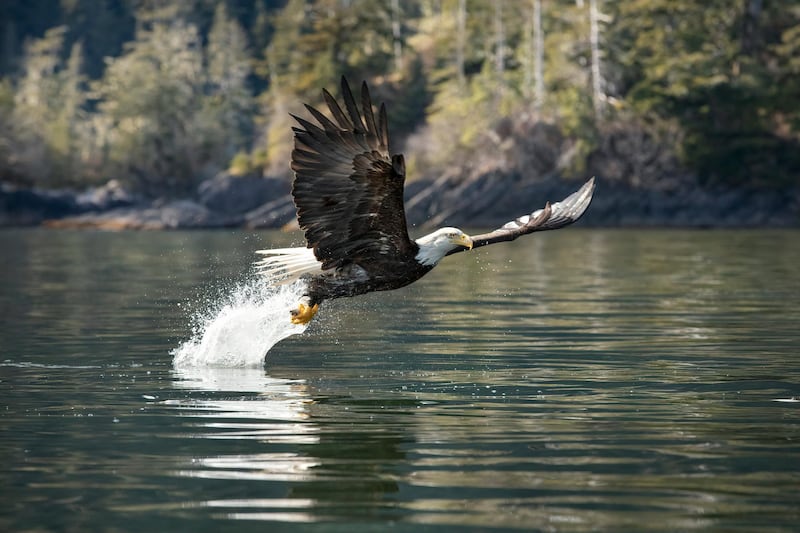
(579, 381)
(414, 446)
(330, 465)
(277, 399)
(271, 411)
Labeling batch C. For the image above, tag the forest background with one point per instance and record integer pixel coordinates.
(161, 95)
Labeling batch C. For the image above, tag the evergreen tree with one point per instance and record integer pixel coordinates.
(148, 100)
(718, 81)
(229, 106)
(685, 62)
(48, 110)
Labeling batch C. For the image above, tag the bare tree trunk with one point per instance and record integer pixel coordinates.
(397, 44)
(598, 98)
(527, 61)
(461, 37)
(499, 38)
(750, 26)
(500, 44)
(533, 88)
(538, 55)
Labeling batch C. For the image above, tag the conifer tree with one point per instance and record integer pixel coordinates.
(48, 109)
(148, 100)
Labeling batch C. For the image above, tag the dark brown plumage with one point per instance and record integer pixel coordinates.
(348, 189)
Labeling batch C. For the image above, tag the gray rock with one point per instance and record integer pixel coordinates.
(236, 195)
(29, 207)
(109, 196)
(274, 214)
(178, 214)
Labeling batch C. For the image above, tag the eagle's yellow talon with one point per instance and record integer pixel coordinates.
(304, 313)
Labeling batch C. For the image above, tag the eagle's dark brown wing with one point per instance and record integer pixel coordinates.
(348, 189)
(552, 216)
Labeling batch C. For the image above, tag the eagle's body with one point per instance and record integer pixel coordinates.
(348, 191)
(353, 279)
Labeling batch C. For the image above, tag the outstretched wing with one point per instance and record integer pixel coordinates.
(348, 189)
(552, 216)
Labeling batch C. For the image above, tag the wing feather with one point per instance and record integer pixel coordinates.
(327, 124)
(383, 128)
(336, 111)
(352, 108)
(347, 191)
(551, 216)
(366, 108)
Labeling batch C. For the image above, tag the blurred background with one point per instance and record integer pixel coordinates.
(687, 112)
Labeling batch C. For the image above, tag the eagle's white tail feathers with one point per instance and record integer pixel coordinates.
(288, 264)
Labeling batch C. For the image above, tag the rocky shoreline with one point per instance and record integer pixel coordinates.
(486, 199)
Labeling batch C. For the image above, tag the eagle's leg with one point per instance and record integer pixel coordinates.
(304, 313)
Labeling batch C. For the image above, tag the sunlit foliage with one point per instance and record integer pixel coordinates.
(164, 93)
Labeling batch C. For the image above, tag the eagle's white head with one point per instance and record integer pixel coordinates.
(434, 246)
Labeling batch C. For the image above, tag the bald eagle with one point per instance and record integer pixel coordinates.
(348, 191)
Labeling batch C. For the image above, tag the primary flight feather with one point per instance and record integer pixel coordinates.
(348, 191)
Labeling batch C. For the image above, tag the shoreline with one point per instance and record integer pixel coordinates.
(488, 200)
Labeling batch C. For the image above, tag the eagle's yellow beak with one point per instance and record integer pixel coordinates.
(465, 241)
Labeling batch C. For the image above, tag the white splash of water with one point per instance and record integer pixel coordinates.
(240, 332)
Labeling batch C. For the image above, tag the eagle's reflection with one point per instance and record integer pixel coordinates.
(265, 398)
(308, 455)
(248, 407)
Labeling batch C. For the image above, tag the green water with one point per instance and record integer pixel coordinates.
(581, 380)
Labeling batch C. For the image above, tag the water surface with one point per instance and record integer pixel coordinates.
(578, 380)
